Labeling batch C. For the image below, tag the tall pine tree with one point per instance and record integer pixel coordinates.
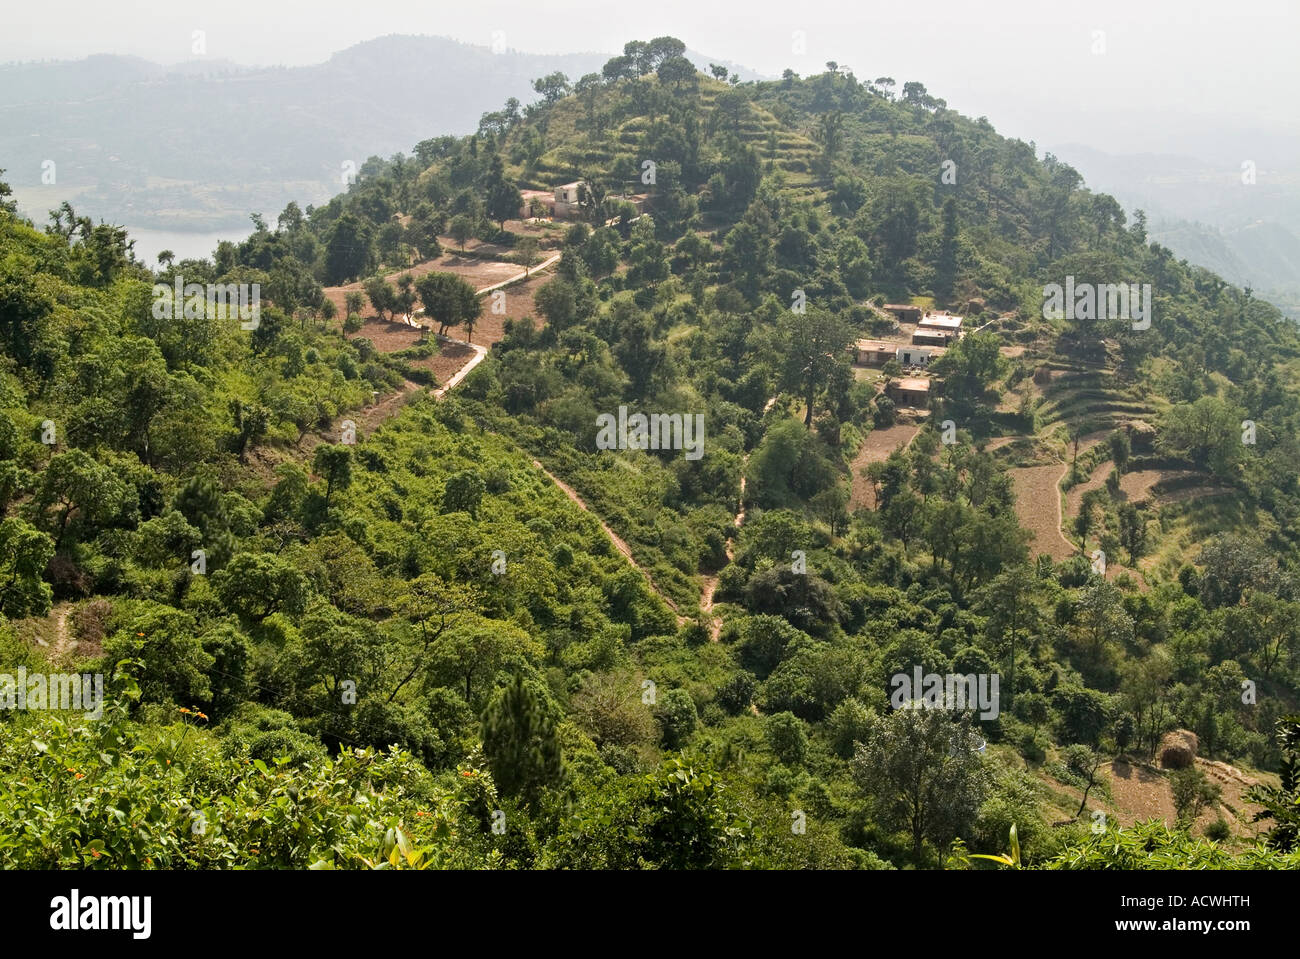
(521, 742)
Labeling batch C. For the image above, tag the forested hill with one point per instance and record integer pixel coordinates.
(344, 623)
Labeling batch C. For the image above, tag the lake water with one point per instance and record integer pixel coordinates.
(186, 245)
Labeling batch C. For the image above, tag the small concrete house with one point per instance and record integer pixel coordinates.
(904, 312)
(873, 352)
(929, 337)
(918, 355)
(944, 322)
(910, 391)
(566, 200)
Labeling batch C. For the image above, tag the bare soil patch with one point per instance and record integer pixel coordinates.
(1038, 505)
(1139, 792)
(876, 448)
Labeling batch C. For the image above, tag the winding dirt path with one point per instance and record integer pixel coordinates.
(619, 543)
(709, 584)
(63, 641)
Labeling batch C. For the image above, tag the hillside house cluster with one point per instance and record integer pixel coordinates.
(930, 336)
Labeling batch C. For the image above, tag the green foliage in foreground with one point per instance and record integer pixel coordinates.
(112, 794)
(1153, 845)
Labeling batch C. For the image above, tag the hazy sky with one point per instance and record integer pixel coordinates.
(1158, 70)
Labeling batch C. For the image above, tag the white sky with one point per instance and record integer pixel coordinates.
(1170, 68)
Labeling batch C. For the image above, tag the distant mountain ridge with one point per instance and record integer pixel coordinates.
(201, 145)
(1248, 233)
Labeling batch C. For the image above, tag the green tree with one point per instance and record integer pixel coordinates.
(76, 492)
(786, 737)
(448, 299)
(1011, 602)
(552, 87)
(24, 551)
(461, 229)
(166, 642)
(1191, 793)
(382, 296)
(347, 249)
(677, 718)
(969, 368)
(502, 198)
(923, 771)
(1120, 449)
(814, 344)
(255, 585)
(521, 742)
(463, 493)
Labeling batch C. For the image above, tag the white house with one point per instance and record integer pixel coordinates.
(918, 355)
(566, 199)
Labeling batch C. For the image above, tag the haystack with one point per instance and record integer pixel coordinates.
(1178, 749)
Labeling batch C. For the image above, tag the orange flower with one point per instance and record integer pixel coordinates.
(95, 853)
(139, 634)
(81, 775)
(185, 711)
(467, 772)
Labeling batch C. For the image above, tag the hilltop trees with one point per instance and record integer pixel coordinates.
(429, 587)
(347, 250)
(552, 87)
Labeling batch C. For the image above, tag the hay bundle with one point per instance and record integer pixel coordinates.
(1178, 749)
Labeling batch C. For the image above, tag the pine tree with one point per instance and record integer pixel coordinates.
(521, 742)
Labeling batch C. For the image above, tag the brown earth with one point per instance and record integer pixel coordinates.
(477, 271)
(1038, 501)
(1038, 506)
(875, 449)
(1139, 792)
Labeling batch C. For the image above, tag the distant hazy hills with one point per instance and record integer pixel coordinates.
(1248, 233)
(201, 145)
